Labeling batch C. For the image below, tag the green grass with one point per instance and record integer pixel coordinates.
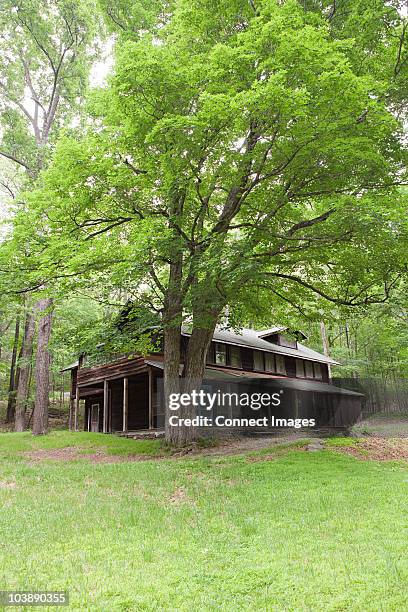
(12, 445)
(347, 441)
(303, 531)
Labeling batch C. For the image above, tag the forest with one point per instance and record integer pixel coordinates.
(199, 162)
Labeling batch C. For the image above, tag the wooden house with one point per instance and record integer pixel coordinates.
(126, 394)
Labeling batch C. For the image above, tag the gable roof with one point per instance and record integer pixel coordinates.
(269, 332)
(250, 338)
(265, 333)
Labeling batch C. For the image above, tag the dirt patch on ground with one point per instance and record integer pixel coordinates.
(280, 451)
(230, 446)
(237, 446)
(377, 449)
(8, 484)
(179, 497)
(75, 454)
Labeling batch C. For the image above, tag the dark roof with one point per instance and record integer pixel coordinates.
(265, 333)
(253, 339)
(72, 366)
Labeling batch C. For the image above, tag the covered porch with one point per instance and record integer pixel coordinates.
(123, 397)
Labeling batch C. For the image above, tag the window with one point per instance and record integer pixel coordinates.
(300, 370)
(309, 369)
(235, 356)
(210, 354)
(318, 371)
(220, 354)
(258, 361)
(280, 364)
(287, 341)
(269, 362)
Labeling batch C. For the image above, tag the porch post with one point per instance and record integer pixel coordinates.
(150, 399)
(76, 409)
(71, 413)
(125, 403)
(72, 399)
(105, 406)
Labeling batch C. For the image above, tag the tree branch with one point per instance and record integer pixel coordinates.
(310, 222)
(326, 296)
(17, 161)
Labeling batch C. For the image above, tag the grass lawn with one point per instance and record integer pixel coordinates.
(302, 531)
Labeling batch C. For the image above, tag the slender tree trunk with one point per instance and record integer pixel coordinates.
(24, 369)
(11, 403)
(172, 345)
(325, 342)
(42, 368)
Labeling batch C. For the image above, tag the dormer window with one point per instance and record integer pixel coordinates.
(282, 336)
(285, 340)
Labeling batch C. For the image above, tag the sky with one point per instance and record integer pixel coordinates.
(97, 78)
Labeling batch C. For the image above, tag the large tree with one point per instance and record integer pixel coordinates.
(45, 55)
(241, 147)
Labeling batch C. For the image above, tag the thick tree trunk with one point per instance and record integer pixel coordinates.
(24, 369)
(42, 368)
(11, 403)
(205, 318)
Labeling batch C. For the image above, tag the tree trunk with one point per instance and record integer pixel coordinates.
(325, 343)
(24, 368)
(11, 403)
(42, 368)
(172, 344)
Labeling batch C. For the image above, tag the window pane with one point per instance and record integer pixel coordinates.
(300, 370)
(220, 354)
(235, 356)
(210, 353)
(286, 341)
(258, 360)
(269, 362)
(318, 371)
(280, 364)
(309, 369)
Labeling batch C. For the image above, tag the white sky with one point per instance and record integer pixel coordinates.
(97, 78)
(103, 67)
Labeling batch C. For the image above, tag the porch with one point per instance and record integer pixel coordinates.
(123, 399)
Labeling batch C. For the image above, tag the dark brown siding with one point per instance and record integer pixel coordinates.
(74, 379)
(138, 416)
(116, 399)
(122, 367)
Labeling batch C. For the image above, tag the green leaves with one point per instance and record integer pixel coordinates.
(256, 148)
